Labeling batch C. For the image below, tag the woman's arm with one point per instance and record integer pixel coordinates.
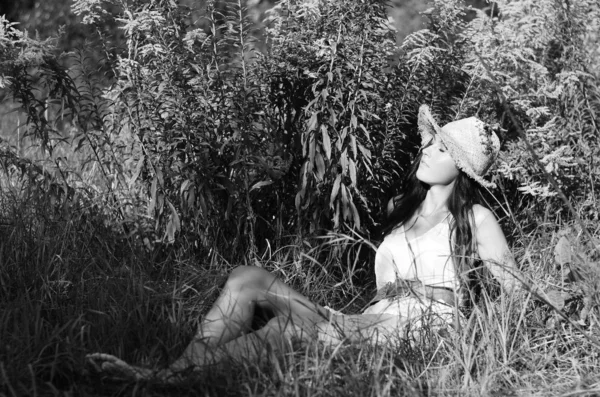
(375, 328)
(495, 253)
(493, 249)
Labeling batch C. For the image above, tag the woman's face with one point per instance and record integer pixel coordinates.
(436, 166)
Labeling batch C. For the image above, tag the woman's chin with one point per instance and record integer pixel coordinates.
(424, 179)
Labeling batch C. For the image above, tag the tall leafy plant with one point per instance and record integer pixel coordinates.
(63, 122)
(541, 71)
(197, 103)
(200, 136)
(311, 135)
(224, 136)
(361, 94)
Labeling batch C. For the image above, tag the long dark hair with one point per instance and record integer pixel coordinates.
(465, 194)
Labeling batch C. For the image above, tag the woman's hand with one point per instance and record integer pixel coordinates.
(329, 333)
(374, 328)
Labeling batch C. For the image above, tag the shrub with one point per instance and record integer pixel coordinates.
(540, 70)
(203, 138)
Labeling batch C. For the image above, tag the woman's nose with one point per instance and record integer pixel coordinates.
(427, 150)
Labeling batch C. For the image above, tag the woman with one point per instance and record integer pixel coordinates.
(422, 267)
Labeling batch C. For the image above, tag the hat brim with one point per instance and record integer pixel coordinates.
(428, 128)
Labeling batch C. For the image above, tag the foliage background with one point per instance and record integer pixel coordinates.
(155, 144)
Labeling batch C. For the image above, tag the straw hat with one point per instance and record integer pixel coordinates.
(471, 143)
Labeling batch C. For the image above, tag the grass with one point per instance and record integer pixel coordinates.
(72, 284)
(69, 285)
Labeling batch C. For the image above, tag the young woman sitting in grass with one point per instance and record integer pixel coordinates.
(438, 230)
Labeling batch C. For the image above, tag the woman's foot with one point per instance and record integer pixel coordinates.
(119, 369)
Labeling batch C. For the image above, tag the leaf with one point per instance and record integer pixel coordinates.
(260, 184)
(153, 189)
(362, 127)
(191, 199)
(335, 190)
(556, 298)
(345, 210)
(175, 216)
(320, 163)
(159, 175)
(138, 170)
(353, 121)
(563, 253)
(587, 308)
(313, 121)
(160, 201)
(298, 201)
(343, 136)
(170, 231)
(332, 117)
(344, 161)
(78, 142)
(202, 203)
(304, 174)
(184, 186)
(311, 152)
(355, 215)
(173, 225)
(352, 170)
(365, 152)
(326, 142)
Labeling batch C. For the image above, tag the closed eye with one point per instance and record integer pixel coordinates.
(427, 144)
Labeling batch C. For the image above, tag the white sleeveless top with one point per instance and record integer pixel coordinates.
(426, 258)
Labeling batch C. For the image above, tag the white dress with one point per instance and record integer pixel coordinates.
(426, 258)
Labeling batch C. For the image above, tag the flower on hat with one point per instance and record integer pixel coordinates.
(471, 143)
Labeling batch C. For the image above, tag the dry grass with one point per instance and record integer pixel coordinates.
(69, 287)
(70, 284)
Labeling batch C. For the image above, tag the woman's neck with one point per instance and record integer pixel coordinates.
(436, 200)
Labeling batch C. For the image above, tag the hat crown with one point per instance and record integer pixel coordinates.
(476, 141)
(471, 143)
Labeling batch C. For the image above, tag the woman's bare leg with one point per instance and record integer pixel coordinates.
(275, 336)
(224, 331)
(224, 328)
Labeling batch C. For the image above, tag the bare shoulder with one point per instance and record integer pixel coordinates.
(493, 248)
(483, 215)
(487, 230)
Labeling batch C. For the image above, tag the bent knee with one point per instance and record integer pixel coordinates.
(248, 276)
